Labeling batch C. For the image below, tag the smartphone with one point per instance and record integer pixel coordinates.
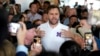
(13, 27)
(88, 41)
(37, 39)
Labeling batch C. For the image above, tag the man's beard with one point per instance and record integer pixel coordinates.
(53, 23)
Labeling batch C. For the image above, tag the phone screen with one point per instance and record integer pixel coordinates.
(88, 35)
(88, 40)
(37, 39)
(13, 27)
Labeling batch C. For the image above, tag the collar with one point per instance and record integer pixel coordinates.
(48, 24)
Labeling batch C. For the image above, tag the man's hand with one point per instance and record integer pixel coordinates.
(40, 33)
(66, 33)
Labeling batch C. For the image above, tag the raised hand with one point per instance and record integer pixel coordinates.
(40, 33)
(21, 33)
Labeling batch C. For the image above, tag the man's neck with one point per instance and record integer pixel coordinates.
(53, 26)
(33, 13)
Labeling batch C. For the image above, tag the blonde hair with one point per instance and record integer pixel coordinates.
(7, 49)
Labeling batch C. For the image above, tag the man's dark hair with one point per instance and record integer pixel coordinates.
(83, 18)
(85, 10)
(73, 16)
(94, 53)
(70, 48)
(49, 53)
(47, 2)
(52, 7)
(32, 4)
(26, 11)
(17, 18)
(45, 12)
(37, 2)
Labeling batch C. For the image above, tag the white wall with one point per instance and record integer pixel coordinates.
(96, 4)
(24, 4)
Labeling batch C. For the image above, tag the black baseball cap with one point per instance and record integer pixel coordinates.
(29, 25)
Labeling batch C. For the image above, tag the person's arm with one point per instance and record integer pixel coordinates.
(15, 12)
(21, 49)
(79, 40)
(74, 37)
(94, 44)
(40, 33)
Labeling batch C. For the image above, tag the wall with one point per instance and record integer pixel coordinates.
(24, 4)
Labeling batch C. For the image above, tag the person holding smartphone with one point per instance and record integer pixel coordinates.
(23, 40)
(85, 31)
(33, 47)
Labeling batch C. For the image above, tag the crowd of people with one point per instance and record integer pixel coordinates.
(47, 30)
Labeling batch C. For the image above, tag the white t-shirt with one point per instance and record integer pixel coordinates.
(34, 17)
(53, 39)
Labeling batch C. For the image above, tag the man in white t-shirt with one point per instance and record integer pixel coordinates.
(53, 33)
(33, 15)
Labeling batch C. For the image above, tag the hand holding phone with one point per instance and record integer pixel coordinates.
(36, 46)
